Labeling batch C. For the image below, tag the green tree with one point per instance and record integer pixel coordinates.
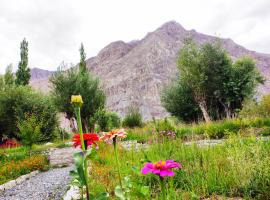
(107, 120)
(16, 101)
(9, 77)
(210, 79)
(193, 72)
(29, 130)
(73, 82)
(2, 83)
(178, 100)
(82, 63)
(23, 73)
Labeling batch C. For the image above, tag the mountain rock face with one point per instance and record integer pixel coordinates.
(134, 73)
(39, 79)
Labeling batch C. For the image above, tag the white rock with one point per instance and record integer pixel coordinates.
(22, 179)
(72, 194)
(33, 173)
(48, 143)
(9, 185)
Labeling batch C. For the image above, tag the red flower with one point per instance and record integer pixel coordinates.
(89, 139)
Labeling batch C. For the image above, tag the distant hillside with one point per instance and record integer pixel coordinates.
(39, 79)
(134, 72)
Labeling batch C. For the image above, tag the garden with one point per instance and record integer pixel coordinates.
(214, 145)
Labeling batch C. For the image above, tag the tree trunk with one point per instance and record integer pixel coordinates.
(202, 105)
(85, 125)
(226, 109)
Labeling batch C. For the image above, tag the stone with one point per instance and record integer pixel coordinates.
(9, 185)
(72, 194)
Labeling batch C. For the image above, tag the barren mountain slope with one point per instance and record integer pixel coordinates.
(134, 73)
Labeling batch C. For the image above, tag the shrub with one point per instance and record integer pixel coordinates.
(253, 109)
(133, 117)
(164, 125)
(29, 130)
(16, 101)
(107, 120)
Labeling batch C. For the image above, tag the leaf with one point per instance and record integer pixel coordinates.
(144, 190)
(119, 192)
(79, 159)
(101, 196)
(88, 153)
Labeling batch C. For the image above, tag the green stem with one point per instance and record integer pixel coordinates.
(117, 162)
(79, 123)
(163, 189)
(86, 179)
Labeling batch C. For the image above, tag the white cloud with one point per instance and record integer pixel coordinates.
(55, 29)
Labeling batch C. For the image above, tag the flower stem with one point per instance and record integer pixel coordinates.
(163, 189)
(79, 123)
(117, 162)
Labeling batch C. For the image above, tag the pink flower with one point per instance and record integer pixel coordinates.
(161, 168)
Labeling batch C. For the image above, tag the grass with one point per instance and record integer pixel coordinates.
(213, 130)
(239, 168)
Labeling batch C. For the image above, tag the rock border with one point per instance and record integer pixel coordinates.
(10, 184)
(73, 193)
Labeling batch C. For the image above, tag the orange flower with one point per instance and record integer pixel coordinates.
(109, 136)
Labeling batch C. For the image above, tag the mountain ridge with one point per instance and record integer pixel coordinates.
(132, 73)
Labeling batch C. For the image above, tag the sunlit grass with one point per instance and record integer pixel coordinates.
(237, 168)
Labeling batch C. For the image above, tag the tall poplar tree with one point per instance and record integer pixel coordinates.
(82, 63)
(23, 73)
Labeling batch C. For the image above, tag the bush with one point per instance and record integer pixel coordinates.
(16, 101)
(29, 130)
(133, 118)
(107, 120)
(253, 109)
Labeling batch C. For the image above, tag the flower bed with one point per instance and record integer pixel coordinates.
(15, 168)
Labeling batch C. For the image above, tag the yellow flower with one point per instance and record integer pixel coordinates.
(76, 99)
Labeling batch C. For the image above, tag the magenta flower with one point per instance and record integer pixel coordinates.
(161, 168)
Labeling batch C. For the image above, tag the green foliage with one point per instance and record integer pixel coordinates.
(211, 82)
(82, 64)
(252, 108)
(107, 120)
(9, 77)
(23, 73)
(164, 125)
(133, 117)
(29, 130)
(178, 100)
(74, 82)
(16, 101)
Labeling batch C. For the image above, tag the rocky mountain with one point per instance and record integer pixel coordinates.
(39, 79)
(134, 73)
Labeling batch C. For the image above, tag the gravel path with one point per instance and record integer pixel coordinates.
(46, 185)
